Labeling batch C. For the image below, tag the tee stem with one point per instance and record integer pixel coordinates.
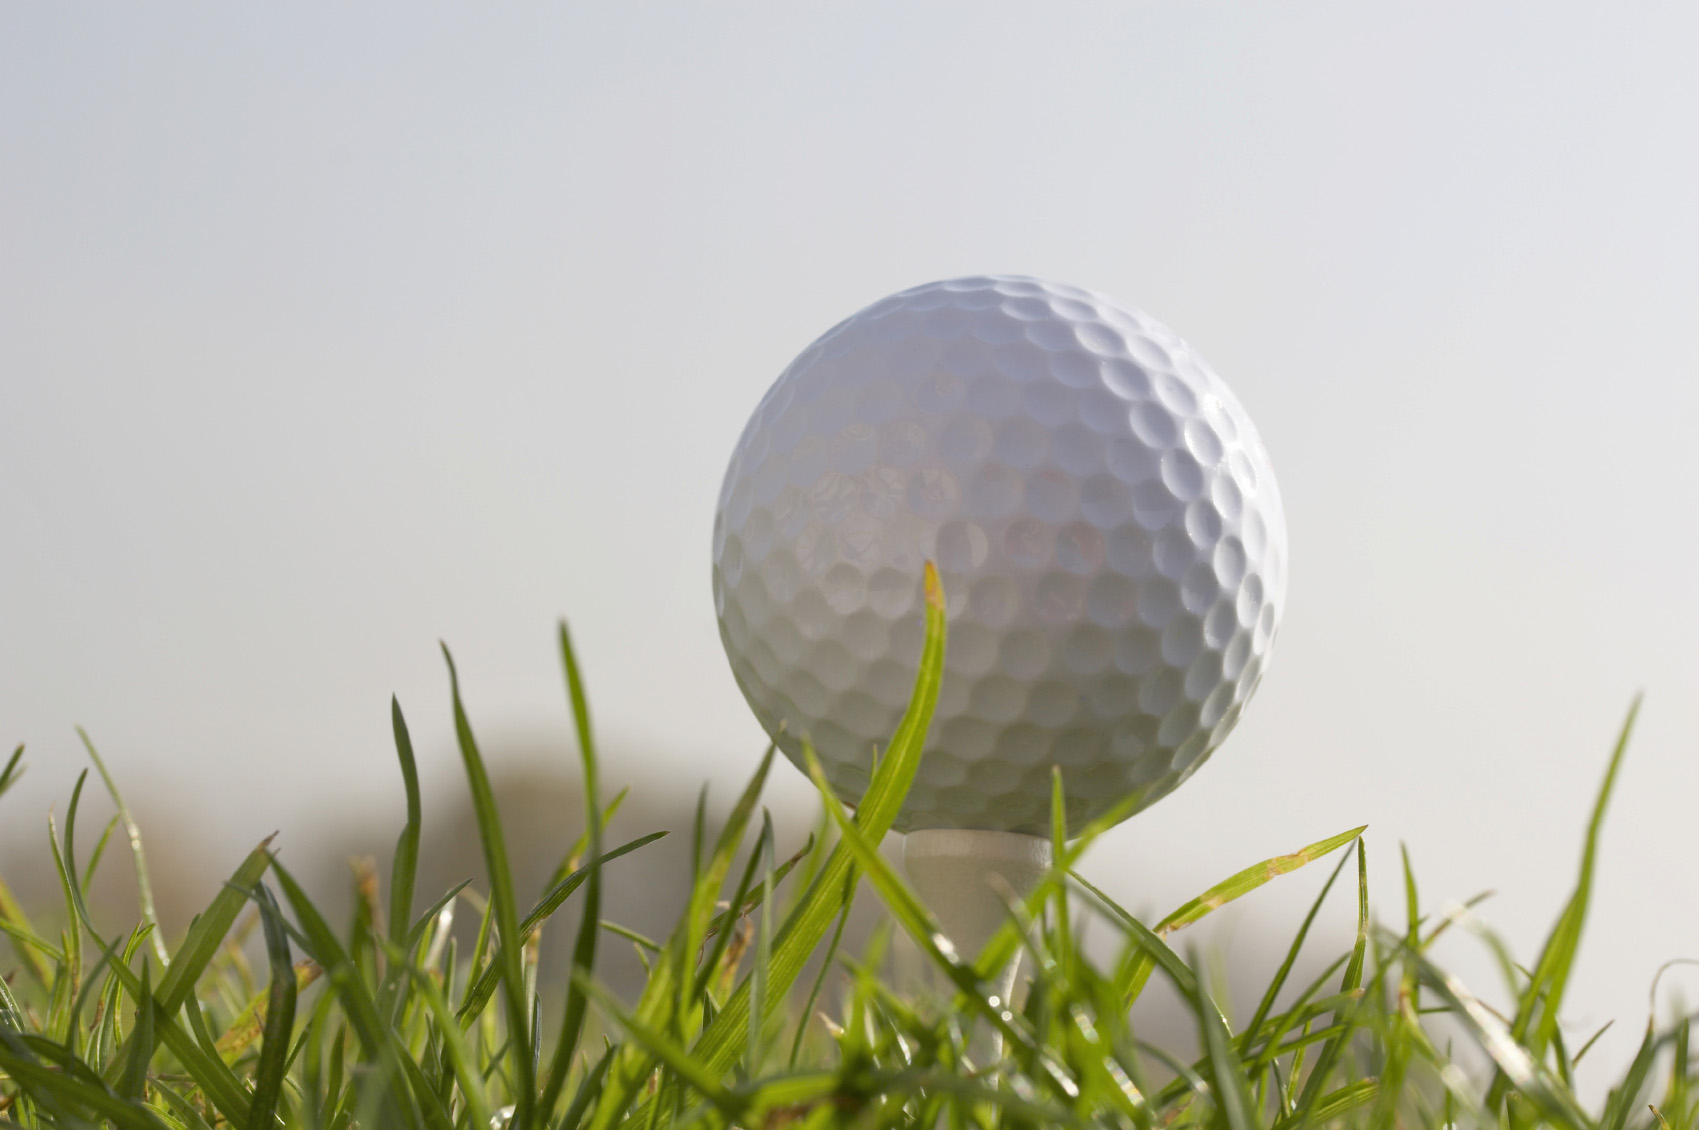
(967, 878)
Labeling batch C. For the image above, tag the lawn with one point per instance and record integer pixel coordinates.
(754, 1014)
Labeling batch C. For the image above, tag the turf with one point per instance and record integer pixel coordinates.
(753, 1014)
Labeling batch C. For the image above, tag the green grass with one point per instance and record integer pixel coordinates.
(753, 1015)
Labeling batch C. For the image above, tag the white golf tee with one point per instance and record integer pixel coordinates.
(967, 878)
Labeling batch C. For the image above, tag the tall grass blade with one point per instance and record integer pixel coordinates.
(132, 1084)
(1251, 878)
(826, 959)
(1228, 1087)
(207, 933)
(346, 983)
(671, 986)
(912, 915)
(1519, 1068)
(99, 851)
(1624, 1098)
(406, 864)
(1148, 942)
(1278, 982)
(763, 948)
(814, 913)
(72, 980)
(456, 1053)
(584, 947)
(1133, 973)
(1063, 945)
(279, 1015)
(1349, 982)
(133, 832)
(725, 926)
(504, 908)
(589, 1090)
(1536, 1019)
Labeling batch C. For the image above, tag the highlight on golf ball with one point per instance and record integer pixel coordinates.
(1101, 510)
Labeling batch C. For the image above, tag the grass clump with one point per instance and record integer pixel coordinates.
(752, 1015)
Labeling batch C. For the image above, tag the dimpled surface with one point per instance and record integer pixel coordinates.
(1101, 511)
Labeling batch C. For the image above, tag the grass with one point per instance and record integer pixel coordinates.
(752, 1015)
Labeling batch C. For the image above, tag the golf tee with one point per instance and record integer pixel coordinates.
(967, 878)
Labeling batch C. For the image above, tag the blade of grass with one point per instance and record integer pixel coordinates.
(807, 924)
(820, 980)
(37, 954)
(589, 1090)
(1624, 1096)
(249, 1024)
(1537, 1013)
(215, 1080)
(723, 1042)
(406, 865)
(279, 1015)
(1251, 878)
(344, 981)
(1148, 942)
(1132, 975)
(53, 1086)
(14, 770)
(99, 851)
(11, 1012)
(1591, 1040)
(677, 1059)
(455, 1050)
(736, 910)
(485, 985)
(73, 895)
(575, 855)
(666, 996)
(1335, 1104)
(709, 968)
(584, 947)
(132, 1084)
(1265, 1005)
(1228, 1087)
(207, 933)
(505, 908)
(1062, 927)
(434, 916)
(133, 831)
(763, 948)
(431, 1108)
(187, 1115)
(1349, 982)
(1517, 1066)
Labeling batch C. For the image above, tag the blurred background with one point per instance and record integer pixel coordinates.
(327, 332)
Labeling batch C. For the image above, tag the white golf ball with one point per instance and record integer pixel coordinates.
(1100, 509)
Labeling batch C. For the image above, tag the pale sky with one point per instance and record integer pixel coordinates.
(330, 331)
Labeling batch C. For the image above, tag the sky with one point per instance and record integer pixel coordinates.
(330, 332)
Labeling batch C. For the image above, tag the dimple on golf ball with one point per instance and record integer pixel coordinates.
(1101, 511)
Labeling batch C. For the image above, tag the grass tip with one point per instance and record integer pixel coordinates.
(934, 588)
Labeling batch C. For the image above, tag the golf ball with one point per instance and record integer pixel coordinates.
(1101, 511)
